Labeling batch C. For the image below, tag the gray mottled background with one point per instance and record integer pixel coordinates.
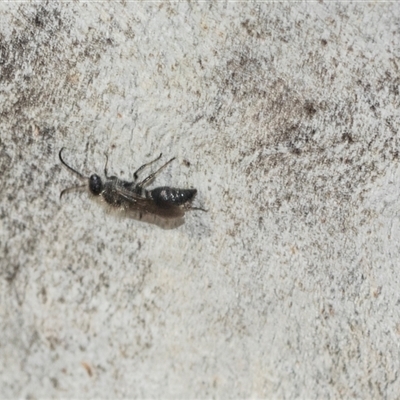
(285, 117)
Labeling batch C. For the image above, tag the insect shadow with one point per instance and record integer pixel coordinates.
(163, 206)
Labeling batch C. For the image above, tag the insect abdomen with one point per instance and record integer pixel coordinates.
(167, 195)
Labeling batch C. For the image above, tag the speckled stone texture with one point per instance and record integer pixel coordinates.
(285, 117)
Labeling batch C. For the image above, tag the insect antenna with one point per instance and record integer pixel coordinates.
(78, 174)
(71, 189)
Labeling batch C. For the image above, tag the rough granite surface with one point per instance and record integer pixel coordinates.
(285, 117)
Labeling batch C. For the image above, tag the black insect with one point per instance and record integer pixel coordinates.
(164, 202)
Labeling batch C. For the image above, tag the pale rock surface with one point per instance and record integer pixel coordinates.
(285, 117)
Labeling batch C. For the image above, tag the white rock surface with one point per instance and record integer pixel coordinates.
(289, 116)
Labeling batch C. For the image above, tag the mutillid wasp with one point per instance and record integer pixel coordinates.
(164, 202)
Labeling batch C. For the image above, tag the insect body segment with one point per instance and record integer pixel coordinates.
(165, 202)
(167, 195)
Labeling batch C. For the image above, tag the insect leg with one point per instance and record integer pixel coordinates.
(196, 208)
(105, 167)
(135, 175)
(151, 177)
